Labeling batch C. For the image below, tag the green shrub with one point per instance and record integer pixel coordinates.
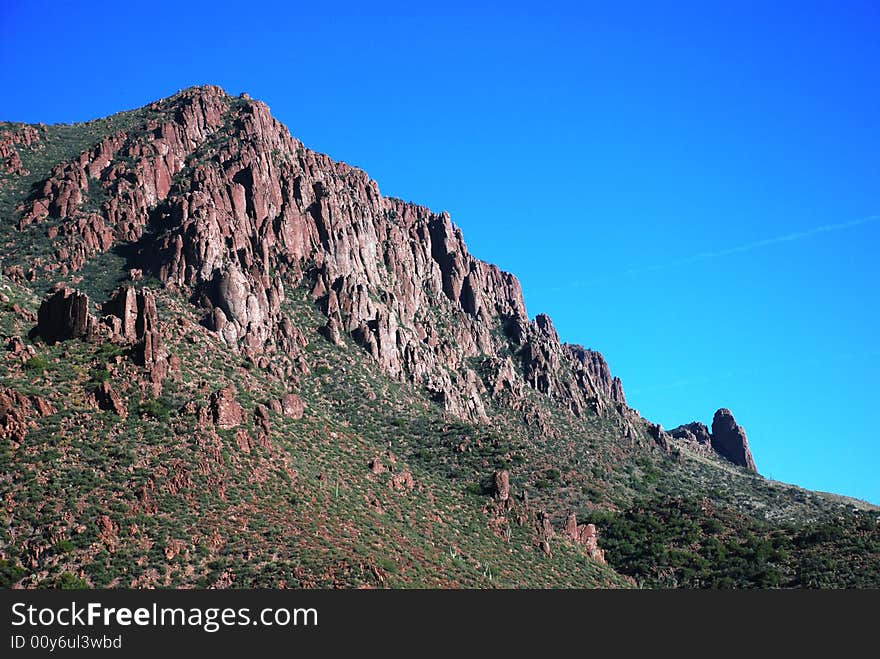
(100, 375)
(68, 581)
(63, 546)
(37, 363)
(10, 572)
(154, 408)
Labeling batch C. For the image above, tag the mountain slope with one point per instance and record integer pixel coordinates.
(294, 381)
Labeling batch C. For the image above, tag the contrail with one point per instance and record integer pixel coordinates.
(739, 249)
(787, 238)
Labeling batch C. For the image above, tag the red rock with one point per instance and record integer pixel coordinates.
(225, 410)
(64, 315)
(585, 535)
(15, 273)
(501, 482)
(292, 406)
(729, 440)
(261, 417)
(107, 530)
(13, 165)
(660, 436)
(15, 416)
(132, 318)
(25, 136)
(16, 346)
(42, 406)
(402, 481)
(107, 399)
(332, 332)
(696, 434)
(273, 211)
(243, 440)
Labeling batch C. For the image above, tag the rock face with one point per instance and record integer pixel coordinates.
(64, 314)
(729, 440)
(215, 198)
(254, 211)
(292, 406)
(695, 433)
(225, 411)
(501, 485)
(107, 399)
(132, 318)
(660, 436)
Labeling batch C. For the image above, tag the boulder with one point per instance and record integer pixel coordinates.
(225, 410)
(292, 406)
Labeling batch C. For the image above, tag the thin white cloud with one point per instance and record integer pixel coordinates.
(738, 249)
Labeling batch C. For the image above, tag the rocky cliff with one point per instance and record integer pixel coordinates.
(221, 203)
(230, 362)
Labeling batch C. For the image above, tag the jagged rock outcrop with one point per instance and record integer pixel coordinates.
(132, 317)
(292, 406)
(585, 535)
(106, 398)
(64, 314)
(544, 532)
(501, 485)
(225, 410)
(660, 436)
(261, 418)
(238, 210)
(16, 346)
(696, 435)
(11, 141)
(729, 440)
(17, 412)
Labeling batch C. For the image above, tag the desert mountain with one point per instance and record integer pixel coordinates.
(203, 315)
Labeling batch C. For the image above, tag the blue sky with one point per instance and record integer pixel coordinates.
(689, 189)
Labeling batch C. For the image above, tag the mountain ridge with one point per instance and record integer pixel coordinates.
(242, 302)
(227, 304)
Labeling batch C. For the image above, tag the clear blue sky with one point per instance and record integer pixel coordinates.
(656, 177)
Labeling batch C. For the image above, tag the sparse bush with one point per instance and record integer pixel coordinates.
(155, 408)
(68, 581)
(37, 363)
(10, 572)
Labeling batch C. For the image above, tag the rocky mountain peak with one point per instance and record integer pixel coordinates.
(225, 206)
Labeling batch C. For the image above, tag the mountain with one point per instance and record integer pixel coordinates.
(232, 362)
